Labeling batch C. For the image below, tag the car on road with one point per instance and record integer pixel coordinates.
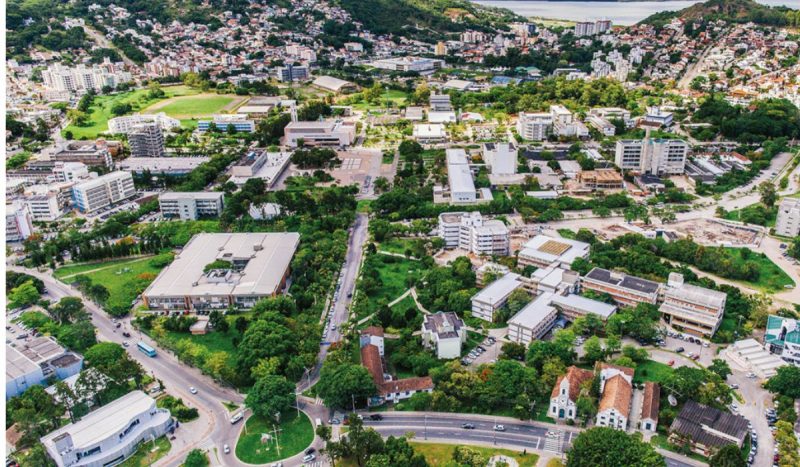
(468, 426)
(126, 334)
(125, 343)
(679, 350)
(193, 390)
(334, 421)
(237, 418)
(376, 416)
(226, 449)
(734, 386)
(309, 458)
(499, 428)
(310, 451)
(751, 375)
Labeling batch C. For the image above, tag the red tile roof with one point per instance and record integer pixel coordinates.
(372, 331)
(651, 400)
(617, 393)
(405, 384)
(371, 359)
(576, 376)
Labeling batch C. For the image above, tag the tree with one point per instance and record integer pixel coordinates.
(218, 321)
(467, 457)
(23, 295)
(513, 350)
(362, 443)
(604, 447)
(113, 361)
(340, 383)
(720, 367)
(78, 336)
(786, 382)
(196, 458)
(121, 108)
(593, 350)
(728, 456)
(77, 117)
(241, 324)
(768, 192)
(67, 310)
(270, 395)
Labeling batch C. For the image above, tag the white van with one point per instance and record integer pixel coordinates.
(237, 418)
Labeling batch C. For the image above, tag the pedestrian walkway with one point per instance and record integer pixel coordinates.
(553, 442)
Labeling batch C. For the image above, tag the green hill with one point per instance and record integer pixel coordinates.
(737, 11)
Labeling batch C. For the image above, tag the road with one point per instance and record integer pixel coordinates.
(518, 435)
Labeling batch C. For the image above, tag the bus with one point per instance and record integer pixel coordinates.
(146, 349)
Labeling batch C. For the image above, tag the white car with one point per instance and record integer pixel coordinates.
(499, 428)
(226, 449)
(309, 458)
(193, 390)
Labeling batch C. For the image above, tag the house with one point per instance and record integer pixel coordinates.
(445, 332)
(564, 397)
(616, 393)
(372, 335)
(706, 429)
(390, 390)
(651, 400)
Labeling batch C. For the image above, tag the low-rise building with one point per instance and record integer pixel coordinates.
(488, 272)
(218, 271)
(625, 289)
(34, 360)
(564, 397)
(90, 153)
(440, 102)
(444, 332)
(500, 157)
(705, 429)
(616, 394)
(97, 193)
(651, 403)
(191, 205)
(533, 321)
(70, 171)
(468, 230)
(239, 122)
(44, 208)
(323, 133)
(373, 335)
(110, 434)
(459, 177)
(162, 165)
(433, 133)
(486, 302)
(601, 179)
(542, 251)
(753, 357)
(573, 306)
(126, 124)
(783, 338)
(697, 310)
(391, 390)
(329, 83)
(289, 73)
(19, 223)
(787, 223)
(264, 211)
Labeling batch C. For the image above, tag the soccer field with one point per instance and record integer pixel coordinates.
(200, 105)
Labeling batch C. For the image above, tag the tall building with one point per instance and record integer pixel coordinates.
(103, 191)
(440, 49)
(289, 73)
(500, 157)
(191, 205)
(19, 224)
(146, 140)
(697, 310)
(788, 222)
(470, 232)
(80, 79)
(110, 434)
(653, 156)
(127, 123)
(534, 126)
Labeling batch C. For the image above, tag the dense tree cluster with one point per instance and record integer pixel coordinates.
(764, 119)
(605, 447)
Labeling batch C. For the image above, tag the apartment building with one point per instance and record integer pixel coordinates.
(81, 79)
(289, 73)
(330, 132)
(191, 205)
(239, 122)
(444, 332)
(259, 266)
(788, 221)
(19, 224)
(469, 231)
(653, 156)
(533, 321)
(70, 171)
(626, 290)
(127, 123)
(45, 207)
(534, 126)
(146, 140)
(110, 434)
(697, 310)
(501, 158)
(492, 297)
(103, 191)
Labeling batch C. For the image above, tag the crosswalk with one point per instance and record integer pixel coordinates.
(553, 442)
(318, 401)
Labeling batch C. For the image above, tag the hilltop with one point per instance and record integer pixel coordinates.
(738, 11)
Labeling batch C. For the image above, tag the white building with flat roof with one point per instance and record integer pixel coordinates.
(542, 251)
(328, 132)
(752, 356)
(45, 207)
(19, 223)
(653, 156)
(534, 126)
(444, 332)
(697, 310)
(494, 296)
(533, 321)
(433, 133)
(103, 191)
(501, 158)
(110, 434)
(788, 221)
(191, 205)
(258, 268)
(128, 123)
(459, 178)
(418, 64)
(469, 231)
(161, 165)
(34, 360)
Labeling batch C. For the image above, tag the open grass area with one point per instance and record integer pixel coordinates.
(295, 435)
(397, 98)
(363, 205)
(147, 454)
(212, 341)
(771, 277)
(124, 279)
(652, 371)
(660, 440)
(394, 273)
(442, 454)
(100, 111)
(567, 233)
(396, 245)
(187, 107)
(754, 214)
(76, 269)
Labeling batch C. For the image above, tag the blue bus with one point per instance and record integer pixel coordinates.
(146, 349)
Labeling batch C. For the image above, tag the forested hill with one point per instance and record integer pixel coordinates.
(437, 17)
(738, 11)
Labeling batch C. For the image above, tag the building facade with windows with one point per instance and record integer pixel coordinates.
(486, 302)
(564, 397)
(625, 289)
(191, 205)
(103, 191)
(787, 223)
(697, 310)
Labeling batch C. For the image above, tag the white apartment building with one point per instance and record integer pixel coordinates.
(697, 310)
(459, 177)
(191, 205)
(494, 296)
(534, 126)
(103, 191)
(110, 434)
(468, 231)
(45, 207)
(501, 158)
(653, 156)
(19, 224)
(788, 222)
(126, 124)
(337, 133)
(444, 332)
(80, 79)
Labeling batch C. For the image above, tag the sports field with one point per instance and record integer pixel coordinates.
(198, 105)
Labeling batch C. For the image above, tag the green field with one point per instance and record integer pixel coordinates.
(146, 455)
(295, 435)
(100, 111)
(397, 98)
(442, 454)
(771, 277)
(124, 279)
(396, 245)
(187, 107)
(394, 272)
(652, 371)
(75, 269)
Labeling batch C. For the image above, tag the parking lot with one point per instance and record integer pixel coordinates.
(486, 352)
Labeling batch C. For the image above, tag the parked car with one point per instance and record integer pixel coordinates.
(310, 451)
(679, 349)
(193, 390)
(227, 449)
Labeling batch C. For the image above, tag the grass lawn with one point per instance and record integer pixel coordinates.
(442, 454)
(100, 111)
(75, 269)
(771, 277)
(398, 98)
(295, 435)
(393, 273)
(754, 214)
(124, 279)
(652, 371)
(567, 233)
(186, 107)
(363, 205)
(146, 456)
(660, 440)
(396, 245)
(387, 158)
